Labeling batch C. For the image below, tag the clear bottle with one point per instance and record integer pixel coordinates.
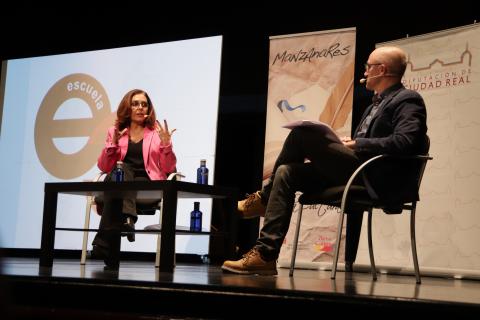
(119, 174)
(202, 172)
(196, 218)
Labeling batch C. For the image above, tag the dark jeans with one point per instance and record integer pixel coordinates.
(115, 211)
(331, 164)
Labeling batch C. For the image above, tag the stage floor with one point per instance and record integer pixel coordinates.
(307, 285)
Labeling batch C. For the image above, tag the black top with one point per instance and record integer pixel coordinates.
(134, 158)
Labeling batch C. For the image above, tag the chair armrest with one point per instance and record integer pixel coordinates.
(412, 157)
(99, 176)
(175, 175)
(360, 169)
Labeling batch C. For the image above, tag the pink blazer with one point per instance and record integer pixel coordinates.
(159, 160)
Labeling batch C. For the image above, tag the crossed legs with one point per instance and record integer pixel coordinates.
(119, 214)
(331, 164)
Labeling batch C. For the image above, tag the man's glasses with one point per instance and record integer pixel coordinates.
(369, 65)
(139, 104)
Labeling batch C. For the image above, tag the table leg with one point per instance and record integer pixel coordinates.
(231, 226)
(48, 228)
(169, 217)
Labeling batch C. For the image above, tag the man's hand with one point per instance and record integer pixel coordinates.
(349, 144)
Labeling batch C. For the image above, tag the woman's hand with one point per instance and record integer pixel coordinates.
(117, 134)
(163, 132)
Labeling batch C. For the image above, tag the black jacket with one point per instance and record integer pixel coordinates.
(398, 128)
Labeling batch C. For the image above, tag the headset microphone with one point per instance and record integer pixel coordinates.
(363, 80)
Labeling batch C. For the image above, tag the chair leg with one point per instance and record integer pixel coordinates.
(159, 239)
(157, 255)
(414, 243)
(370, 245)
(337, 244)
(295, 241)
(86, 225)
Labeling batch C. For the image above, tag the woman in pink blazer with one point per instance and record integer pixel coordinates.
(145, 148)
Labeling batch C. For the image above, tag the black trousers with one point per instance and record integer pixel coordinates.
(331, 164)
(115, 211)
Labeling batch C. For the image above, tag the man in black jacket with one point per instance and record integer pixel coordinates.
(395, 123)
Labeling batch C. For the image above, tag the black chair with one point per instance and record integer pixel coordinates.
(144, 207)
(355, 197)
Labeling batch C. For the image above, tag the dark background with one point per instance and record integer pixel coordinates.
(31, 29)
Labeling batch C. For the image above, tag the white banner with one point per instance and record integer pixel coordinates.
(310, 77)
(444, 68)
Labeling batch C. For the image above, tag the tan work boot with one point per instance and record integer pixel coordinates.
(252, 206)
(251, 263)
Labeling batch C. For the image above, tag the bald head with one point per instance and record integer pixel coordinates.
(395, 59)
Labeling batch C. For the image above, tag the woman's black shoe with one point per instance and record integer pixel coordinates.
(102, 253)
(111, 265)
(348, 266)
(128, 226)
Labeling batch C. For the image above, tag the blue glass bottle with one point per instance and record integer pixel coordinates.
(196, 218)
(118, 173)
(202, 172)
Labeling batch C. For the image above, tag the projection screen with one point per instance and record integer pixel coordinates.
(54, 119)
